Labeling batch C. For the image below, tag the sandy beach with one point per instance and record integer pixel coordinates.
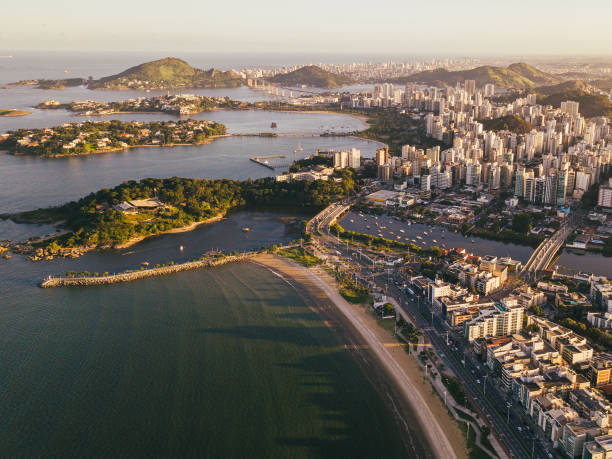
(394, 372)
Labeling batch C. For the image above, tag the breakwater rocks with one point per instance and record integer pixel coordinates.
(51, 282)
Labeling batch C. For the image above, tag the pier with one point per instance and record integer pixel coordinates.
(261, 160)
(51, 282)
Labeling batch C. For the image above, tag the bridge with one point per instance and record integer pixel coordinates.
(276, 90)
(545, 253)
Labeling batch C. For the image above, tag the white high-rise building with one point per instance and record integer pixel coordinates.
(354, 159)
(570, 107)
(501, 320)
(489, 90)
(341, 159)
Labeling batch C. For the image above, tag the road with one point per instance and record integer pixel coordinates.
(492, 406)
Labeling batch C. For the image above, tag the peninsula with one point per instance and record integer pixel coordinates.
(132, 211)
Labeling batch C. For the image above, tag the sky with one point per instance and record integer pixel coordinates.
(447, 27)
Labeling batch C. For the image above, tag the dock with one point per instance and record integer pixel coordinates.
(261, 160)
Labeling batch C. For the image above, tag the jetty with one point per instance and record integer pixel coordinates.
(261, 160)
(130, 276)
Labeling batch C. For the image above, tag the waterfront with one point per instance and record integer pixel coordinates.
(444, 239)
(586, 261)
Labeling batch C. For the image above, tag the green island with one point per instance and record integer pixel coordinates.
(104, 136)
(312, 76)
(134, 210)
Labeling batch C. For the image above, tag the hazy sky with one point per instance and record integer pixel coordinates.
(332, 26)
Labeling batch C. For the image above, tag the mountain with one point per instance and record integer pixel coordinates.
(571, 85)
(603, 84)
(510, 123)
(533, 74)
(311, 75)
(590, 104)
(519, 76)
(168, 73)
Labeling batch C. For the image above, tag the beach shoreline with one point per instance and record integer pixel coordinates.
(377, 352)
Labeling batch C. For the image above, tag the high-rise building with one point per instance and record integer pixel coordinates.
(472, 174)
(470, 86)
(562, 179)
(382, 156)
(529, 193)
(341, 159)
(354, 160)
(519, 182)
(538, 190)
(570, 107)
(604, 197)
(425, 182)
(489, 90)
(503, 319)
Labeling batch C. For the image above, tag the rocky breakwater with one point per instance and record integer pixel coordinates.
(130, 276)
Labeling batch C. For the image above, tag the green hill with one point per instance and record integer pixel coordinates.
(510, 123)
(519, 76)
(603, 84)
(311, 75)
(571, 85)
(590, 104)
(167, 73)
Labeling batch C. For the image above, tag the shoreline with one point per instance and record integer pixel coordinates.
(404, 379)
(178, 230)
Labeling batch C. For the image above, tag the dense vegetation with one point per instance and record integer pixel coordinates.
(571, 85)
(84, 138)
(512, 123)
(590, 104)
(397, 129)
(519, 75)
(311, 75)
(93, 222)
(168, 73)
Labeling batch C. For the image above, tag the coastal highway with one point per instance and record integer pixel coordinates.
(493, 406)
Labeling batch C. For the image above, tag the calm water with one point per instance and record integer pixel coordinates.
(445, 239)
(27, 182)
(586, 262)
(227, 362)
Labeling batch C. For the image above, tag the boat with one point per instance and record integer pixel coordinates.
(391, 232)
(473, 241)
(246, 229)
(419, 238)
(273, 125)
(352, 221)
(434, 241)
(402, 231)
(181, 248)
(368, 227)
(397, 237)
(145, 263)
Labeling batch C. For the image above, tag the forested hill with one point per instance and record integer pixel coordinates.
(590, 104)
(313, 76)
(519, 76)
(93, 221)
(168, 73)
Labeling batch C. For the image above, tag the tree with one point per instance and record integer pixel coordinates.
(521, 223)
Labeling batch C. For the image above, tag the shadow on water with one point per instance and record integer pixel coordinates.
(343, 420)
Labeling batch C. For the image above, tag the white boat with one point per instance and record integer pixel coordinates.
(434, 241)
(368, 227)
(352, 221)
(181, 248)
(402, 231)
(419, 238)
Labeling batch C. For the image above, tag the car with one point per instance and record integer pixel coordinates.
(478, 381)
